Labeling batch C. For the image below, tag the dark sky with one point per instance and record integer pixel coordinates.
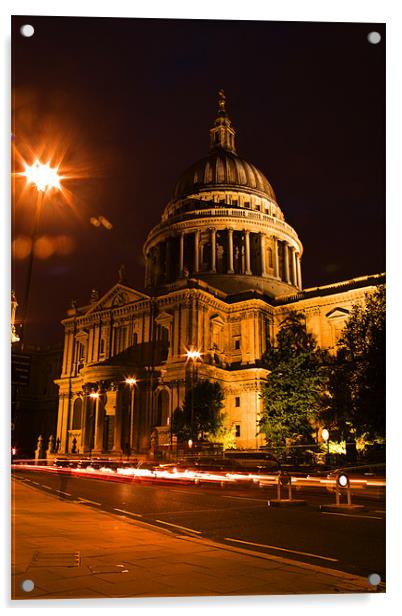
(129, 102)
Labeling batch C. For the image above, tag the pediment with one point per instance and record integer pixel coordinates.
(337, 313)
(217, 320)
(164, 318)
(82, 335)
(119, 295)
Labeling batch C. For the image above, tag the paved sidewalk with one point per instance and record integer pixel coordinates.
(70, 550)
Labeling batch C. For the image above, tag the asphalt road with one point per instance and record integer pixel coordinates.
(352, 542)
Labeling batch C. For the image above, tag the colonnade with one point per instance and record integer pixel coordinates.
(284, 260)
(107, 422)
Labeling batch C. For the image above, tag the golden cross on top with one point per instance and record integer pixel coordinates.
(221, 100)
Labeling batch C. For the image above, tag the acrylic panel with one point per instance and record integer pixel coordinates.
(198, 308)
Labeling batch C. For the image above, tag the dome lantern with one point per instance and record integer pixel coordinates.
(222, 135)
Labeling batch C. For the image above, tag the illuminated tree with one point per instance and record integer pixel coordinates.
(200, 415)
(295, 391)
(357, 383)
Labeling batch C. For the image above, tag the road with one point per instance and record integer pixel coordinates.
(351, 542)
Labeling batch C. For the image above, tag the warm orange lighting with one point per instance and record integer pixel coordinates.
(193, 355)
(44, 247)
(94, 395)
(131, 381)
(21, 247)
(325, 434)
(43, 176)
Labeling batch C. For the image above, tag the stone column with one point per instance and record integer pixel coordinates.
(299, 276)
(84, 421)
(99, 424)
(213, 250)
(118, 423)
(286, 262)
(230, 251)
(262, 250)
(276, 257)
(247, 250)
(168, 259)
(294, 273)
(64, 423)
(181, 266)
(197, 251)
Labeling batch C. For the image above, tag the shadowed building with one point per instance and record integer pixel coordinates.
(223, 269)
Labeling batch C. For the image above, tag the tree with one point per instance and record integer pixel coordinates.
(295, 392)
(200, 415)
(357, 383)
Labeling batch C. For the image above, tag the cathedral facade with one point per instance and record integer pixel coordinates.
(222, 270)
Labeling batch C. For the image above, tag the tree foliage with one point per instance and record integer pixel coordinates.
(200, 415)
(296, 389)
(357, 383)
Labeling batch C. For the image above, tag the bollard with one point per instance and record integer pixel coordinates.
(284, 480)
(342, 483)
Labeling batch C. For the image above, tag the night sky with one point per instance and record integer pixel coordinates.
(128, 104)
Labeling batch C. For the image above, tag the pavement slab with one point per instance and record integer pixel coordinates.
(122, 557)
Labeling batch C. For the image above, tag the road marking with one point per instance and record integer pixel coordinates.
(86, 500)
(379, 510)
(185, 492)
(138, 515)
(35, 482)
(43, 486)
(273, 547)
(352, 515)
(191, 530)
(261, 500)
(65, 493)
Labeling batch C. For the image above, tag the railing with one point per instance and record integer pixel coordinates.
(224, 213)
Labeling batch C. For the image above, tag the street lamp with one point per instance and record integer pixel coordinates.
(94, 395)
(44, 178)
(325, 438)
(194, 355)
(131, 381)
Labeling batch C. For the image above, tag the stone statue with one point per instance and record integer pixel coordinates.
(74, 445)
(94, 296)
(122, 273)
(50, 446)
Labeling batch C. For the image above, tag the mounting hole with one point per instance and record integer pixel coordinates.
(374, 579)
(27, 30)
(27, 585)
(374, 38)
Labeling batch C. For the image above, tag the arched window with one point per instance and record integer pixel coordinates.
(77, 412)
(102, 348)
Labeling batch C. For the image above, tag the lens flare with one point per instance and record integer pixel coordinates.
(43, 176)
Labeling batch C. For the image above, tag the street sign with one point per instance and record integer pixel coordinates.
(20, 369)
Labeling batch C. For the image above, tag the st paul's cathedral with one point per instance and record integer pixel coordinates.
(222, 270)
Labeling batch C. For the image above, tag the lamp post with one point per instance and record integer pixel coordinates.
(44, 178)
(131, 381)
(325, 438)
(94, 395)
(194, 356)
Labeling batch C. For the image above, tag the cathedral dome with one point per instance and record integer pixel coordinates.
(222, 169)
(223, 226)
